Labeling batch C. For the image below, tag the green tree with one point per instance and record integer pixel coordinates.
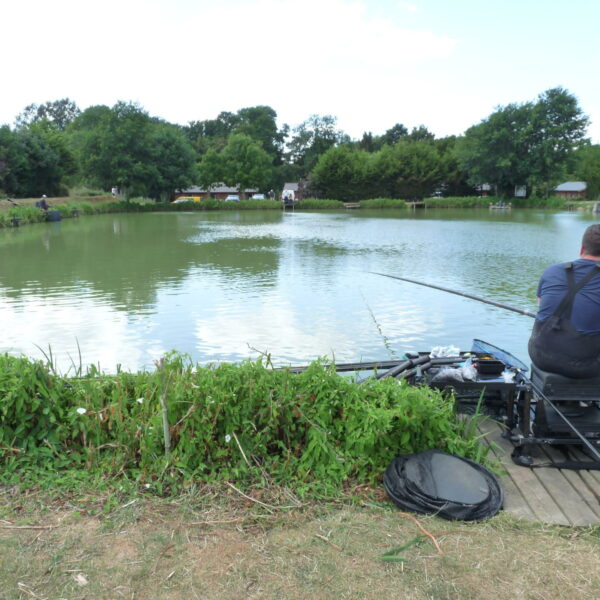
(245, 163)
(311, 139)
(343, 173)
(260, 123)
(408, 170)
(59, 112)
(394, 134)
(587, 168)
(211, 170)
(124, 146)
(530, 143)
(558, 128)
(29, 166)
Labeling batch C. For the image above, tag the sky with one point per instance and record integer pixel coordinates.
(369, 63)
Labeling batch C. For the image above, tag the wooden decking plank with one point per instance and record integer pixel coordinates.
(591, 478)
(578, 480)
(533, 491)
(514, 501)
(566, 496)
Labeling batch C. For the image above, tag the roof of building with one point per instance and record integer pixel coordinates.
(571, 186)
(217, 189)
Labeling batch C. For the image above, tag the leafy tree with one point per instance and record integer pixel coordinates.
(211, 133)
(530, 143)
(245, 163)
(59, 112)
(455, 178)
(312, 138)
(343, 173)
(123, 146)
(173, 160)
(421, 134)
(558, 128)
(260, 123)
(29, 166)
(409, 170)
(211, 170)
(587, 168)
(394, 134)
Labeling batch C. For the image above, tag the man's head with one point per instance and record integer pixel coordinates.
(590, 243)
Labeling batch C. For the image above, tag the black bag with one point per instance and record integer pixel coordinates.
(451, 487)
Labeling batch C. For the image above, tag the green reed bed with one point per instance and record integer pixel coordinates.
(246, 423)
(384, 203)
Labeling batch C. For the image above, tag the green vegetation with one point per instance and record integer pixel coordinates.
(531, 144)
(246, 422)
(384, 203)
(55, 147)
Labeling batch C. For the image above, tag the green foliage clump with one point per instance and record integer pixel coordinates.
(318, 204)
(245, 422)
(555, 202)
(384, 203)
(467, 202)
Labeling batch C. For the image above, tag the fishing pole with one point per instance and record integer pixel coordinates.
(521, 311)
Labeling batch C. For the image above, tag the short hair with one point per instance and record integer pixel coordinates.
(591, 240)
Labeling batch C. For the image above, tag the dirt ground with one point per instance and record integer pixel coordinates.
(224, 546)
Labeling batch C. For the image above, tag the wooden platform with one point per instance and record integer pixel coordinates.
(545, 494)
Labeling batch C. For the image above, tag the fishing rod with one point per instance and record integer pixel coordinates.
(525, 379)
(521, 311)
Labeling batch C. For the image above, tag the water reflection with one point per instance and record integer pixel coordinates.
(224, 286)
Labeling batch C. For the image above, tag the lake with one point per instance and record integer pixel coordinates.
(125, 289)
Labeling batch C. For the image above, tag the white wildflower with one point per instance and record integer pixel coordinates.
(140, 400)
(227, 439)
(81, 411)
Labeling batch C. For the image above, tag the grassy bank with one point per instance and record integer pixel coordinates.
(215, 544)
(183, 424)
(27, 213)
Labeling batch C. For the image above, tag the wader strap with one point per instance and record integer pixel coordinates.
(566, 304)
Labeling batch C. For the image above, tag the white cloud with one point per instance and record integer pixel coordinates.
(408, 6)
(189, 60)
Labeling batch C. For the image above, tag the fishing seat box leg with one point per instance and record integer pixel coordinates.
(577, 399)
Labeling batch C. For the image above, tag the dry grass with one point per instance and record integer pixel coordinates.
(219, 545)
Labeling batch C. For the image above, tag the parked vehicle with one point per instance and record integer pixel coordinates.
(232, 198)
(185, 199)
(258, 197)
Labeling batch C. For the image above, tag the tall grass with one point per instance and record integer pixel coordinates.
(384, 203)
(245, 422)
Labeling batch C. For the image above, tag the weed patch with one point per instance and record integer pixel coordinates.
(183, 423)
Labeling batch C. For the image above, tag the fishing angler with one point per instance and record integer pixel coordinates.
(566, 333)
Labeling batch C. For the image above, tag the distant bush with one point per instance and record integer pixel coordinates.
(460, 202)
(384, 203)
(316, 204)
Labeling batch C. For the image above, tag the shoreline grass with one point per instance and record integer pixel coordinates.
(27, 213)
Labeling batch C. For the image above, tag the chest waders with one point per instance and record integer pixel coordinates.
(556, 346)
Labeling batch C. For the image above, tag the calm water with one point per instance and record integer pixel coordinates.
(125, 289)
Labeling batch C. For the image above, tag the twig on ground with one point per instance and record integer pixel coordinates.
(427, 533)
(28, 526)
(267, 506)
(322, 537)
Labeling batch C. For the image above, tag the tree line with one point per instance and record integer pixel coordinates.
(55, 146)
